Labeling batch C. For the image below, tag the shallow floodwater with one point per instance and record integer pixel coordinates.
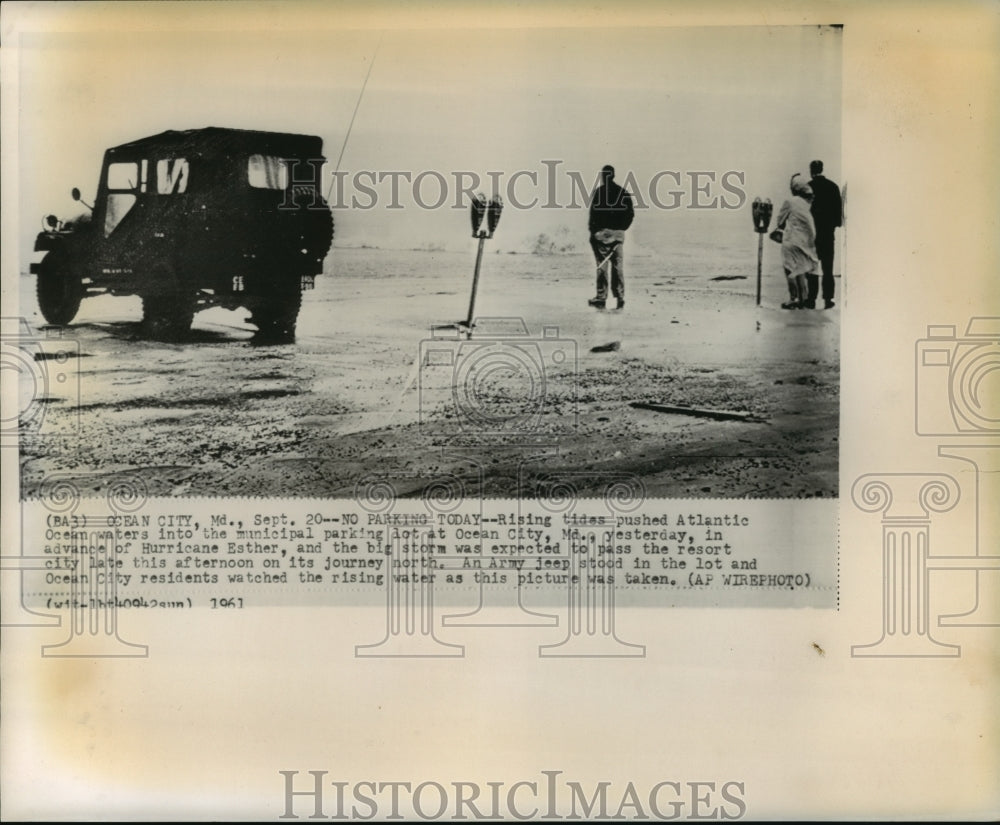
(369, 388)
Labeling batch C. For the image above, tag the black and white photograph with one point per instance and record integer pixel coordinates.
(285, 262)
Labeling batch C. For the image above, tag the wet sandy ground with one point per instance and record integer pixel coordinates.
(365, 394)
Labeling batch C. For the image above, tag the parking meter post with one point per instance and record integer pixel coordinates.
(475, 282)
(491, 211)
(761, 210)
(760, 260)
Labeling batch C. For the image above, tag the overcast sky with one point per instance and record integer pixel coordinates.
(762, 101)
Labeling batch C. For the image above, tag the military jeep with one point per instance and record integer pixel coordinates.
(192, 219)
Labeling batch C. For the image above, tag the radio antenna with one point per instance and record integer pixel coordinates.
(357, 106)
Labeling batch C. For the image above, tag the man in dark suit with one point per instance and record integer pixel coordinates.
(611, 213)
(828, 213)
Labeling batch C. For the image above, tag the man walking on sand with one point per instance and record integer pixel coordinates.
(828, 212)
(611, 213)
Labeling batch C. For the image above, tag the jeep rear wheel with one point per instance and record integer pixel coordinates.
(276, 317)
(59, 289)
(167, 317)
(168, 309)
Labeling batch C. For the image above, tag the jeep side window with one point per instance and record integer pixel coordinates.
(122, 182)
(171, 176)
(267, 172)
(123, 176)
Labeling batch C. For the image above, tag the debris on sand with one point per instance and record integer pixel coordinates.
(729, 278)
(613, 346)
(699, 412)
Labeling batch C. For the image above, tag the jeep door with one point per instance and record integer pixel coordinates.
(120, 220)
(173, 198)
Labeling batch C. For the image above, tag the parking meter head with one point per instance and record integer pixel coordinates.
(761, 214)
(477, 212)
(493, 213)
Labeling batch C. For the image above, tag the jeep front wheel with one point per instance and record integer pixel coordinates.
(59, 289)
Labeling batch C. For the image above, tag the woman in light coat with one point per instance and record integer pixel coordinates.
(798, 243)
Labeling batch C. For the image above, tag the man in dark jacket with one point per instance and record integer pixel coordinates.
(828, 212)
(611, 213)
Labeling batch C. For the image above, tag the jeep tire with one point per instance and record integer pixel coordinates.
(59, 288)
(167, 317)
(167, 311)
(275, 317)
